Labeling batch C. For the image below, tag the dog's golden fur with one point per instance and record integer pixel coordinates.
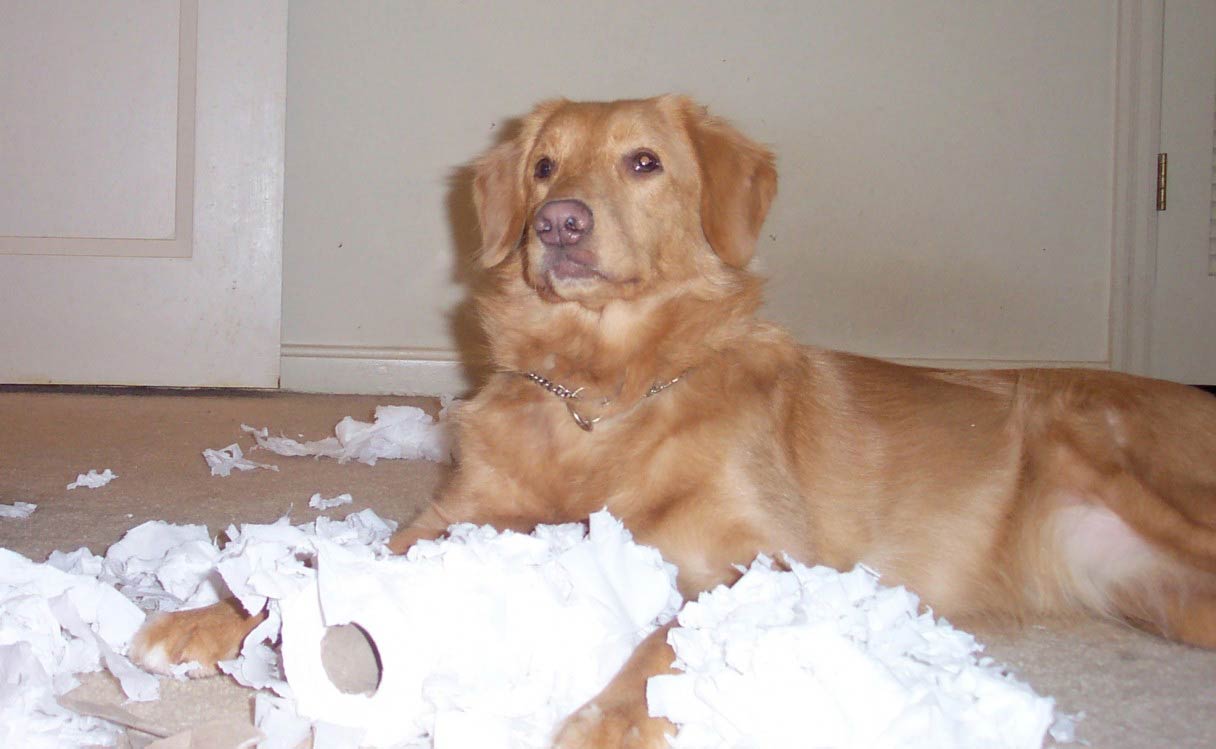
(1024, 493)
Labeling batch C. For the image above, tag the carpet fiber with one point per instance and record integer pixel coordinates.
(1136, 691)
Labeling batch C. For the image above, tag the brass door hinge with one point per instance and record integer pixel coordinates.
(1163, 165)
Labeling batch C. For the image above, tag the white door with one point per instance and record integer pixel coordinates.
(1182, 343)
(141, 191)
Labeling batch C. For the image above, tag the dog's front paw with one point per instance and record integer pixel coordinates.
(197, 637)
(625, 726)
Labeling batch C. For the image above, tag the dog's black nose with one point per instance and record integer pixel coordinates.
(562, 223)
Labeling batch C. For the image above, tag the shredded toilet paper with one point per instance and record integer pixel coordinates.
(814, 657)
(398, 432)
(93, 479)
(54, 624)
(507, 633)
(489, 640)
(18, 510)
(317, 502)
(227, 459)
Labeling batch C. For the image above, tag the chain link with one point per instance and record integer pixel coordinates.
(559, 390)
(565, 393)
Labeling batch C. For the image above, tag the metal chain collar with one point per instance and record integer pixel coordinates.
(566, 394)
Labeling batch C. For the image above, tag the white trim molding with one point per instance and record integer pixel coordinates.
(998, 363)
(1137, 141)
(374, 371)
(433, 372)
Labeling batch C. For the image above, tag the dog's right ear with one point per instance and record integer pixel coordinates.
(498, 195)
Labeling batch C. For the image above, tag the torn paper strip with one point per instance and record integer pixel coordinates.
(398, 432)
(318, 502)
(227, 459)
(93, 479)
(19, 510)
(815, 657)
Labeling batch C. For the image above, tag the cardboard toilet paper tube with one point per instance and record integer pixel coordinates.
(379, 715)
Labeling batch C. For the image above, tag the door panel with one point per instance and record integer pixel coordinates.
(1182, 343)
(91, 127)
(142, 196)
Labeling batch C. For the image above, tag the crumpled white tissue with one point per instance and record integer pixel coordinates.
(224, 460)
(317, 502)
(165, 567)
(18, 510)
(398, 432)
(93, 479)
(54, 624)
(815, 657)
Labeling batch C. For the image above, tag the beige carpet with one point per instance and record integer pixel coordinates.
(1137, 692)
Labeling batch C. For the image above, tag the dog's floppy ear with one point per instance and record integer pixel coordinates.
(498, 195)
(738, 183)
(498, 188)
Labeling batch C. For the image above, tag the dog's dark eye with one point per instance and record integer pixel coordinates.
(644, 162)
(544, 168)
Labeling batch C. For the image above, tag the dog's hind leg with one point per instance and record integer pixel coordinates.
(1186, 613)
(1109, 568)
(1133, 518)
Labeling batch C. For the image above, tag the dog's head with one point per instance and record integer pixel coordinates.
(611, 200)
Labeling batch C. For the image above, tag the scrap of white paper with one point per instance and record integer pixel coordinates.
(1064, 729)
(398, 432)
(19, 510)
(277, 719)
(318, 502)
(815, 657)
(224, 460)
(93, 479)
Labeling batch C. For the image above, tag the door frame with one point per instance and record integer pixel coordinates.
(1137, 141)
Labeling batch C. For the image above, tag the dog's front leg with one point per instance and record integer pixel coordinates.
(203, 636)
(618, 716)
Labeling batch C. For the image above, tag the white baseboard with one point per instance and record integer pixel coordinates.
(372, 371)
(434, 372)
(999, 363)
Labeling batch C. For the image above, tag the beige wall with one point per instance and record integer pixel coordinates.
(947, 171)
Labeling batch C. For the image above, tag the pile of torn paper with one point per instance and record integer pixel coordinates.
(814, 657)
(484, 639)
(55, 624)
(489, 639)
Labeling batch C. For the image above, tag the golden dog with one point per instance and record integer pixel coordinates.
(633, 373)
